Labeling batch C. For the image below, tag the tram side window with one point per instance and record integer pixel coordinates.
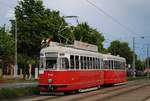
(115, 64)
(112, 64)
(102, 63)
(77, 62)
(106, 64)
(90, 63)
(93, 62)
(72, 61)
(96, 63)
(65, 63)
(119, 65)
(124, 65)
(85, 62)
(82, 62)
(109, 64)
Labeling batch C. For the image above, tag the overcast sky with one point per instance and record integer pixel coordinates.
(133, 15)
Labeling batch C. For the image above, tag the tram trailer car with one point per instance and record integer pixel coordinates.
(67, 68)
(114, 69)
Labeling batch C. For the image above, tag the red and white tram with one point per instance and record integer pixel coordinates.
(114, 69)
(78, 66)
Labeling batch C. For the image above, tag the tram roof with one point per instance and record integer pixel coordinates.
(69, 50)
(112, 57)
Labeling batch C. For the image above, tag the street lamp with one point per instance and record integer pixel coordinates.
(15, 63)
(147, 60)
(133, 64)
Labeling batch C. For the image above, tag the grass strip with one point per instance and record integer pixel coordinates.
(10, 93)
(130, 78)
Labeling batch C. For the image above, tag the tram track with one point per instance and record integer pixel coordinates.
(37, 98)
(111, 94)
(106, 92)
(140, 94)
(102, 93)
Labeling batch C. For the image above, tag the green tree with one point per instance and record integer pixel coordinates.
(83, 32)
(36, 23)
(139, 65)
(121, 48)
(6, 47)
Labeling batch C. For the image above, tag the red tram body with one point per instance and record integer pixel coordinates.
(70, 68)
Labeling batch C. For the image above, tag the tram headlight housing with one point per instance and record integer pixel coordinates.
(50, 80)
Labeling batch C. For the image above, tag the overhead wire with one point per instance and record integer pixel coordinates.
(109, 16)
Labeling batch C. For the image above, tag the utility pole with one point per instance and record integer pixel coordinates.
(147, 61)
(133, 65)
(16, 65)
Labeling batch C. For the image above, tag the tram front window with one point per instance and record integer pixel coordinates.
(51, 63)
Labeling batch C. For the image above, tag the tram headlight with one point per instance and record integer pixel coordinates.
(50, 80)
